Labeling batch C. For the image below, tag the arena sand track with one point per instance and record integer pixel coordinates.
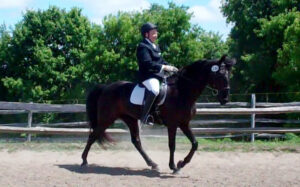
(127, 168)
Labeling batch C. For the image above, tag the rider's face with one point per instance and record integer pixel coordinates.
(152, 35)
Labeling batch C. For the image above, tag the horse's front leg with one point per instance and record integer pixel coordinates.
(172, 141)
(187, 131)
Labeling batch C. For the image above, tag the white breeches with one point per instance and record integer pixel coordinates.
(152, 85)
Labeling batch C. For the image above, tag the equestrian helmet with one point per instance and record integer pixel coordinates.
(147, 27)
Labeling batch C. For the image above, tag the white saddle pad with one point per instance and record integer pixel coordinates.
(137, 95)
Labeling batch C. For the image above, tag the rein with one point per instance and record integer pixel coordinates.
(213, 90)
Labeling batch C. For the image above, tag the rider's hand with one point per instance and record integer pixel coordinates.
(169, 68)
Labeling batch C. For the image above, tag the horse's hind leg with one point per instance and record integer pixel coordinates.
(94, 135)
(135, 139)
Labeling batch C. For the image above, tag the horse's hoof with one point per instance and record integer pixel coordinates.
(180, 164)
(176, 171)
(155, 168)
(84, 164)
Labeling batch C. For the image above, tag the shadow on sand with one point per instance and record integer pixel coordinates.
(116, 171)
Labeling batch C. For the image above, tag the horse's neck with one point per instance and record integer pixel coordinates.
(190, 91)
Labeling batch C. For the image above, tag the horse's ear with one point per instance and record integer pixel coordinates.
(222, 59)
(230, 62)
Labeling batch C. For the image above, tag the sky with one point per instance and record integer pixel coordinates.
(206, 13)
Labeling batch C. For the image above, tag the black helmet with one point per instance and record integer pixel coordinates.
(147, 27)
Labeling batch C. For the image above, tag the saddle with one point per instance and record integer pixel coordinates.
(138, 94)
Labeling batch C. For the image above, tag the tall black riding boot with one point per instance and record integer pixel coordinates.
(148, 102)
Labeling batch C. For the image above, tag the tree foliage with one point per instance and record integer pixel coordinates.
(44, 55)
(5, 40)
(113, 52)
(258, 39)
(56, 54)
(284, 31)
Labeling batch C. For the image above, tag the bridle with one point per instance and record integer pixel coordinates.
(215, 77)
(214, 91)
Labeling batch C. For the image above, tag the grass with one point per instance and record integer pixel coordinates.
(291, 144)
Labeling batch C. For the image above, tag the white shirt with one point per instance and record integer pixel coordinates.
(154, 46)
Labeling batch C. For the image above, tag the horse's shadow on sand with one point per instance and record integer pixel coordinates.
(116, 171)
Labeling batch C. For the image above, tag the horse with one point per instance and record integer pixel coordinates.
(106, 103)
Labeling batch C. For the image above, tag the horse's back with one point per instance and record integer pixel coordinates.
(119, 89)
(114, 100)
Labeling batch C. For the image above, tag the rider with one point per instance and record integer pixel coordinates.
(151, 67)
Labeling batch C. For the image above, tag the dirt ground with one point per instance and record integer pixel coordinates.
(127, 168)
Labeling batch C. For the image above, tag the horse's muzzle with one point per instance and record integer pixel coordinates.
(223, 96)
(223, 102)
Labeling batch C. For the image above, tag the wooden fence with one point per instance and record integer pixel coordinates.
(240, 108)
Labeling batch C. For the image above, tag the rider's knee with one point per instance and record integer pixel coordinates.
(155, 91)
(152, 85)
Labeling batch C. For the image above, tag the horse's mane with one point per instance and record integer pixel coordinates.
(192, 70)
(199, 68)
(194, 67)
(201, 65)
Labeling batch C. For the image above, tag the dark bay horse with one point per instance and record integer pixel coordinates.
(106, 103)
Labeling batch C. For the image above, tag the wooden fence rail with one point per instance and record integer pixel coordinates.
(42, 108)
(196, 131)
(73, 108)
(59, 131)
(13, 111)
(202, 109)
(246, 111)
(244, 130)
(193, 123)
(245, 104)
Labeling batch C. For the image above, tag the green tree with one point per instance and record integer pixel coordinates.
(256, 52)
(112, 55)
(45, 55)
(55, 54)
(284, 31)
(5, 39)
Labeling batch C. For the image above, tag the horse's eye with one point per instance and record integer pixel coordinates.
(222, 70)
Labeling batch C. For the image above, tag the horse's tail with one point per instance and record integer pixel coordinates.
(91, 105)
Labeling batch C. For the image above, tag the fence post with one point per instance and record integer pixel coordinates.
(253, 102)
(29, 124)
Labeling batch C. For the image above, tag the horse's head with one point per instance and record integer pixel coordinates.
(219, 76)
